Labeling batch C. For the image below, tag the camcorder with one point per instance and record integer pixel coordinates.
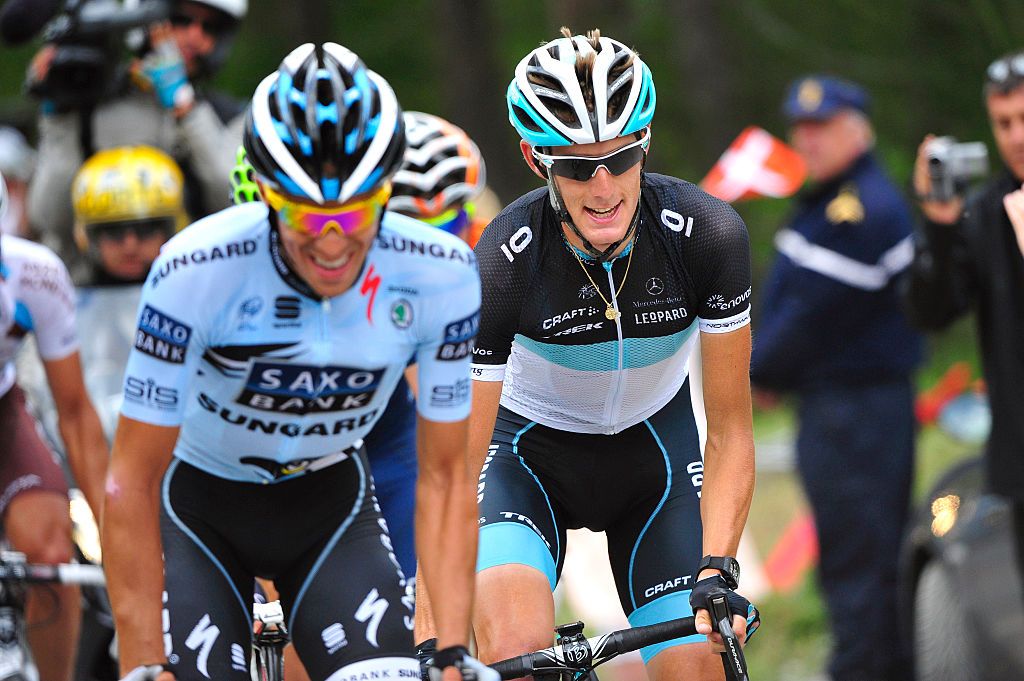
(952, 165)
(89, 37)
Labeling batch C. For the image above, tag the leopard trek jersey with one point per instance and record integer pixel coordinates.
(266, 379)
(36, 296)
(544, 329)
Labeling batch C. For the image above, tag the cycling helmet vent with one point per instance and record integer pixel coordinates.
(324, 127)
(580, 89)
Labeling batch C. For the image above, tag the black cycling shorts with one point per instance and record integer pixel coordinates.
(319, 537)
(641, 487)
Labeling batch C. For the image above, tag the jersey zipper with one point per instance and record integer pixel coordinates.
(615, 393)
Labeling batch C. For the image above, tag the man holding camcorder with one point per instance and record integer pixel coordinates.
(970, 252)
(159, 102)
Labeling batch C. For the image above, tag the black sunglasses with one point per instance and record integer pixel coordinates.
(583, 168)
(142, 229)
(211, 26)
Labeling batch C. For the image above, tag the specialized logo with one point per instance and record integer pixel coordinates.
(308, 389)
(202, 638)
(401, 313)
(458, 338)
(371, 611)
(655, 286)
(450, 395)
(147, 392)
(200, 256)
(371, 282)
(162, 336)
(286, 311)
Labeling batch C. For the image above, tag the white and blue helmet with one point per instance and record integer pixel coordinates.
(553, 102)
(323, 127)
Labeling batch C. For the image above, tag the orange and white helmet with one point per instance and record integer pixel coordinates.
(442, 168)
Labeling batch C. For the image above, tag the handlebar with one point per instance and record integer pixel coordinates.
(577, 657)
(13, 568)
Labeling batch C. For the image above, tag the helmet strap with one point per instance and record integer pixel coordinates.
(563, 214)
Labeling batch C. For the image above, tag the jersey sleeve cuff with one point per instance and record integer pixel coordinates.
(724, 325)
(488, 372)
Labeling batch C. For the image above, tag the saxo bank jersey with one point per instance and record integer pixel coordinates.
(267, 380)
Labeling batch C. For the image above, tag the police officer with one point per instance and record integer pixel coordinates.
(832, 332)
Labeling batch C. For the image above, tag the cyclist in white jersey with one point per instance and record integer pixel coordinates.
(37, 297)
(270, 338)
(595, 291)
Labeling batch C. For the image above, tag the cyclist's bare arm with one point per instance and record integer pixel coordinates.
(729, 453)
(446, 526)
(132, 548)
(486, 395)
(79, 427)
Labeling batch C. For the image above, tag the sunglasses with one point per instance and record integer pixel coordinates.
(142, 229)
(213, 27)
(452, 221)
(583, 168)
(1002, 70)
(352, 217)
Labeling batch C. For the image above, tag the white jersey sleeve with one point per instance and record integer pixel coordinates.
(446, 337)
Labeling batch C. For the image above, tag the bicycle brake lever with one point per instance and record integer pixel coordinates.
(733, 659)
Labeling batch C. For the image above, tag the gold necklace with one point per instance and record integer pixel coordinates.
(610, 312)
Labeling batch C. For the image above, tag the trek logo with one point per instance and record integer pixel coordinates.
(308, 389)
(147, 392)
(161, 336)
(458, 338)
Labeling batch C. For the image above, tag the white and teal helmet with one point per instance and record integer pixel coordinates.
(556, 100)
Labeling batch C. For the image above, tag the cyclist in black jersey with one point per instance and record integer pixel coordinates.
(596, 292)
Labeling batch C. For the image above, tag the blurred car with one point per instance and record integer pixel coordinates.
(960, 584)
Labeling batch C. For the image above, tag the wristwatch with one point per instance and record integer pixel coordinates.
(727, 565)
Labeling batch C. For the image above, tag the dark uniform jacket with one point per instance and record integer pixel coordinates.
(830, 312)
(978, 263)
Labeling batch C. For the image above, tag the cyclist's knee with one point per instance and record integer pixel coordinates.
(38, 525)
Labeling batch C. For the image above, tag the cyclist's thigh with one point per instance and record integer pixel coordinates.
(656, 546)
(346, 601)
(520, 521)
(207, 617)
(26, 464)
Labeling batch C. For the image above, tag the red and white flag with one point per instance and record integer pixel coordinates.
(755, 165)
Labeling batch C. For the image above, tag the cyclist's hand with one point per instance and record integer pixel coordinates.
(451, 664)
(745, 617)
(151, 672)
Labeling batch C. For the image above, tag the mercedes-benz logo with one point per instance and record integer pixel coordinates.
(654, 286)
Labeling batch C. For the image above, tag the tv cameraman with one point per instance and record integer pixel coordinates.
(969, 254)
(158, 101)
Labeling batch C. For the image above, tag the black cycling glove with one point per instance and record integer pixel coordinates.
(701, 595)
(425, 654)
